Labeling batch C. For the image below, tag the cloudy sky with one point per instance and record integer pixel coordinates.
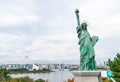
(44, 31)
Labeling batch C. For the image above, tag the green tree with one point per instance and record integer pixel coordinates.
(4, 75)
(39, 80)
(114, 66)
(22, 79)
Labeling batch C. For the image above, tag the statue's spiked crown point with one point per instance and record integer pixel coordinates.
(84, 22)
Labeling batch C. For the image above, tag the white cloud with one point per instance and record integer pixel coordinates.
(53, 36)
(16, 13)
(14, 19)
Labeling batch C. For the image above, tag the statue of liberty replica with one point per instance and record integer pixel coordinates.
(87, 70)
(87, 43)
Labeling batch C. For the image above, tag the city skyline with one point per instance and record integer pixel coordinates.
(45, 31)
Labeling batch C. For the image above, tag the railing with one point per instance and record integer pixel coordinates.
(112, 80)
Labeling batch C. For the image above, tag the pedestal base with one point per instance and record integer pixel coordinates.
(87, 76)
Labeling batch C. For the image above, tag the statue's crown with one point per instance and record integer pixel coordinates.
(84, 25)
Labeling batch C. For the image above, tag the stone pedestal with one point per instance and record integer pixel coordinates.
(87, 76)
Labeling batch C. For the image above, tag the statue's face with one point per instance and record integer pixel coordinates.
(84, 26)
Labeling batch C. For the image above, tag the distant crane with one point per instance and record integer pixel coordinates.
(26, 59)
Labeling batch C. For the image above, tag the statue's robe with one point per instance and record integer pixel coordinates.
(87, 53)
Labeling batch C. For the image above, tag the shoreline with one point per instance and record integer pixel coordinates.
(20, 71)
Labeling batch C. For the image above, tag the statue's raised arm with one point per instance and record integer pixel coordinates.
(78, 21)
(77, 15)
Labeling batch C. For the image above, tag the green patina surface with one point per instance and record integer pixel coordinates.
(86, 42)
